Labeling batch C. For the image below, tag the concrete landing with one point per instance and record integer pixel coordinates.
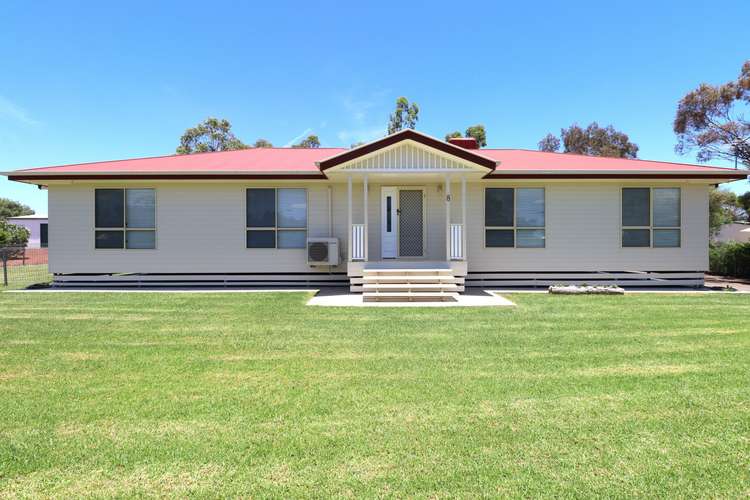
(340, 297)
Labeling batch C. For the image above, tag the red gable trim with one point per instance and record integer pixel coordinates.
(459, 152)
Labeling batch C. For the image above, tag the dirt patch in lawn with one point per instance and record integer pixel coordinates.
(641, 370)
(81, 356)
(144, 480)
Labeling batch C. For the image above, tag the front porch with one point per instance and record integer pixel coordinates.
(407, 243)
(410, 221)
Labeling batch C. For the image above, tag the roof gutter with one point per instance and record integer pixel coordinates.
(25, 177)
(732, 175)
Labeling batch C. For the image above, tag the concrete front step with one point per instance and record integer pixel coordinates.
(407, 272)
(408, 284)
(415, 287)
(410, 296)
(407, 279)
(404, 288)
(395, 287)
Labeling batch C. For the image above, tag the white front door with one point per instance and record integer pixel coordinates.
(388, 223)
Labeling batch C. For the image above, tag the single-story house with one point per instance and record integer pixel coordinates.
(38, 229)
(405, 215)
(734, 231)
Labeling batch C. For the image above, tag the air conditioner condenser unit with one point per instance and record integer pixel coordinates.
(323, 251)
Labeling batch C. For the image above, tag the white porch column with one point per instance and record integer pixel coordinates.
(349, 219)
(463, 217)
(447, 217)
(364, 207)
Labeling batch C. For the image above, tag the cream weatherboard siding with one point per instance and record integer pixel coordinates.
(201, 229)
(583, 232)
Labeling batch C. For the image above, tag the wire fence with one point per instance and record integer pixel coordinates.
(23, 267)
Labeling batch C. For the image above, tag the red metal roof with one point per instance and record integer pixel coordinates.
(256, 160)
(308, 163)
(522, 160)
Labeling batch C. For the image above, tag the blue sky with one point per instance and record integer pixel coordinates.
(87, 81)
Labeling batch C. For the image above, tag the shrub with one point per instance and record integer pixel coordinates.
(730, 259)
(12, 235)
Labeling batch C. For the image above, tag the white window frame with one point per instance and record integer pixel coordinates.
(651, 226)
(276, 227)
(514, 227)
(124, 227)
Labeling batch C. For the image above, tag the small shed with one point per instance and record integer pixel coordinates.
(37, 225)
(735, 231)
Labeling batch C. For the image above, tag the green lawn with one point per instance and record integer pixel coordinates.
(257, 395)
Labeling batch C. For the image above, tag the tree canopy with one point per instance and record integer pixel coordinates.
(549, 143)
(12, 208)
(262, 143)
(723, 208)
(311, 141)
(212, 134)
(711, 120)
(591, 141)
(406, 115)
(476, 131)
(744, 201)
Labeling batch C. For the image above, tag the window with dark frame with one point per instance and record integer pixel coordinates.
(276, 218)
(514, 217)
(125, 218)
(388, 209)
(651, 217)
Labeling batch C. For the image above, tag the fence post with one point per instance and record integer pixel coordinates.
(4, 256)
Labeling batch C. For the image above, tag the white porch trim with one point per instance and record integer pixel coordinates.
(463, 217)
(366, 197)
(455, 234)
(349, 227)
(357, 234)
(447, 217)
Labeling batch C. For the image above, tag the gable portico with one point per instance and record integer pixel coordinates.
(413, 200)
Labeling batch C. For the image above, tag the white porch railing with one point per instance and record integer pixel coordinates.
(457, 242)
(358, 242)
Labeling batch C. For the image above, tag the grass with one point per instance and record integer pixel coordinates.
(257, 395)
